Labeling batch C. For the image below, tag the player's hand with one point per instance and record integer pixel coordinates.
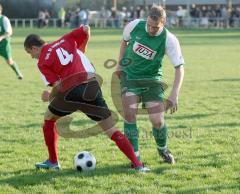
(172, 103)
(1, 38)
(45, 96)
(86, 29)
(118, 71)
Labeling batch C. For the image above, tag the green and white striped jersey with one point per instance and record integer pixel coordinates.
(5, 25)
(144, 53)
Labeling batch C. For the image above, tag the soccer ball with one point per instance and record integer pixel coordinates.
(84, 161)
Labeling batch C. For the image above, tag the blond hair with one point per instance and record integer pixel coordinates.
(157, 13)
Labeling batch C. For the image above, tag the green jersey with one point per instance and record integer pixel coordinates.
(5, 48)
(4, 22)
(144, 54)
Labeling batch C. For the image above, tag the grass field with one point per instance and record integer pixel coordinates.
(204, 134)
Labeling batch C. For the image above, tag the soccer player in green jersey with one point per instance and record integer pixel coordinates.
(144, 44)
(5, 47)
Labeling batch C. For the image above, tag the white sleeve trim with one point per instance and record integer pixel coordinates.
(86, 63)
(173, 50)
(44, 78)
(129, 28)
(7, 25)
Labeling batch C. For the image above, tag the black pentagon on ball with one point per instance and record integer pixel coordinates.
(89, 163)
(80, 156)
(79, 168)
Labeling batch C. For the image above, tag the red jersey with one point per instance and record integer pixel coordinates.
(65, 57)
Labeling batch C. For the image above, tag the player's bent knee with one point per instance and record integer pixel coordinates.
(10, 61)
(108, 126)
(111, 131)
(158, 123)
(129, 117)
(50, 116)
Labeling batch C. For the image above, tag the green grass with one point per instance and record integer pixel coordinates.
(204, 134)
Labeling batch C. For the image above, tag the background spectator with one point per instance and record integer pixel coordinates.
(61, 17)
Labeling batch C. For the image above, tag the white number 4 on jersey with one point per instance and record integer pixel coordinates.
(64, 56)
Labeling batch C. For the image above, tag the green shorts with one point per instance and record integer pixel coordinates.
(147, 90)
(5, 49)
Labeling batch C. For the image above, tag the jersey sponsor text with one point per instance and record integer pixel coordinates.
(143, 51)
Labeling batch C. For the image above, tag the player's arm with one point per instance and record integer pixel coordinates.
(173, 98)
(50, 80)
(49, 94)
(173, 50)
(7, 27)
(84, 40)
(126, 37)
(80, 36)
(123, 47)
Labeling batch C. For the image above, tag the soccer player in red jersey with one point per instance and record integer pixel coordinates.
(63, 63)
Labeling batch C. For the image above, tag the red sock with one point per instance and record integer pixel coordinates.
(125, 146)
(51, 139)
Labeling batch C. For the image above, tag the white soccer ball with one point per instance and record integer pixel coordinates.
(84, 161)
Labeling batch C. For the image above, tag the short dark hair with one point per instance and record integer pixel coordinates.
(33, 40)
(157, 13)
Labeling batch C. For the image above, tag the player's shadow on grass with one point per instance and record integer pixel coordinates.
(222, 125)
(36, 177)
(227, 80)
(76, 122)
(30, 126)
(16, 140)
(191, 116)
(181, 117)
(210, 188)
(162, 167)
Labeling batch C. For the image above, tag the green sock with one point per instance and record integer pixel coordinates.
(160, 136)
(15, 68)
(131, 131)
